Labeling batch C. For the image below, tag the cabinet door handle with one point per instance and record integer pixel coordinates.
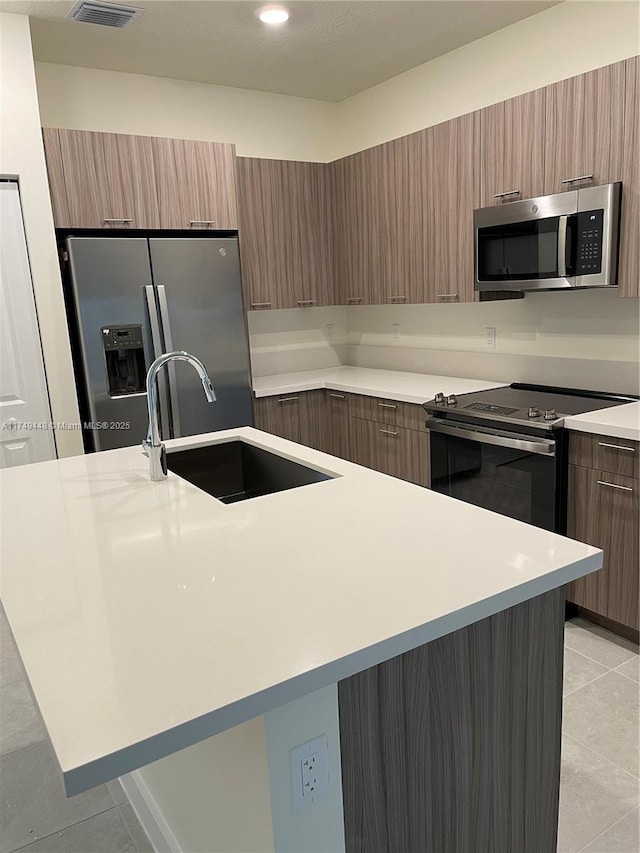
(396, 298)
(287, 399)
(617, 446)
(389, 432)
(614, 486)
(261, 305)
(337, 396)
(509, 192)
(202, 222)
(452, 296)
(579, 178)
(304, 302)
(353, 300)
(387, 405)
(117, 219)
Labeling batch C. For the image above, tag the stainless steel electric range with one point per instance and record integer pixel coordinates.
(506, 449)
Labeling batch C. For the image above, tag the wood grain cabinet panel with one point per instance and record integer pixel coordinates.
(603, 511)
(629, 272)
(616, 455)
(453, 192)
(393, 450)
(337, 424)
(110, 180)
(512, 146)
(313, 420)
(284, 233)
(55, 171)
(196, 184)
(278, 415)
(395, 412)
(583, 129)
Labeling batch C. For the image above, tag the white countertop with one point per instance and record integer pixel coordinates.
(617, 422)
(388, 384)
(150, 616)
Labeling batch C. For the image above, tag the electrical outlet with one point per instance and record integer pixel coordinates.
(396, 331)
(330, 331)
(490, 339)
(310, 772)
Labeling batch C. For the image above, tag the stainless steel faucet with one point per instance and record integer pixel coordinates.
(152, 445)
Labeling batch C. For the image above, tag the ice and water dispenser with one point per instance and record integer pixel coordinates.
(124, 359)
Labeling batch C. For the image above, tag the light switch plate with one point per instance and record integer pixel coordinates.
(310, 772)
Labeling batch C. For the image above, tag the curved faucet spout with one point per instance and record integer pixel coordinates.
(152, 445)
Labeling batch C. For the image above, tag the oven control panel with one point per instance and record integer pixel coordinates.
(589, 242)
(488, 407)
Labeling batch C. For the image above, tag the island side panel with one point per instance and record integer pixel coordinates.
(456, 745)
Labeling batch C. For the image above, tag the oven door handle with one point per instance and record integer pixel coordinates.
(542, 446)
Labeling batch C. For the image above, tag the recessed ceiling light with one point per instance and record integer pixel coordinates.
(273, 14)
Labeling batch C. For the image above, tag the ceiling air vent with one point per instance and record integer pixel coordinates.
(104, 14)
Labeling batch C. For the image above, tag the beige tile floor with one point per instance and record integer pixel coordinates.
(599, 797)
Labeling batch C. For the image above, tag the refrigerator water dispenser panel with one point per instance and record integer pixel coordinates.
(124, 359)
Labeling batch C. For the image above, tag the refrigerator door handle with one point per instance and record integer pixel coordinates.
(158, 349)
(171, 367)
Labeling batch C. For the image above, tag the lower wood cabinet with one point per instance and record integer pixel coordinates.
(390, 449)
(386, 435)
(604, 511)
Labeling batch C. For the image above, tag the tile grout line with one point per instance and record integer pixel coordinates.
(125, 824)
(582, 686)
(600, 834)
(45, 739)
(70, 826)
(593, 660)
(604, 758)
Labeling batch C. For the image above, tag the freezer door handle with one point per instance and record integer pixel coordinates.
(171, 367)
(158, 349)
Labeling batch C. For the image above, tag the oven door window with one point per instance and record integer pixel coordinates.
(512, 482)
(521, 251)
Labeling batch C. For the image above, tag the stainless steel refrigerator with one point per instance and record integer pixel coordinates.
(134, 298)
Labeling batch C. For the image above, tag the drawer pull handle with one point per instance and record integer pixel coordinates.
(261, 305)
(396, 298)
(337, 396)
(389, 432)
(117, 219)
(353, 300)
(614, 486)
(288, 399)
(452, 296)
(579, 178)
(304, 302)
(617, 446)
(509, 192)
(387, 405)
(202, 222)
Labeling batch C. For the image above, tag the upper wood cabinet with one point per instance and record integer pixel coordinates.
(284, 233)
(629, 272)
(583, 129)
(196, 183)
(109, 180)
(512, 149)
(452, 193)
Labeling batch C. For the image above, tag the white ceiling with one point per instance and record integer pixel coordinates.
(329, 49)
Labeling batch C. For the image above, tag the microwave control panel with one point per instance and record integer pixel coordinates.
(589, 242)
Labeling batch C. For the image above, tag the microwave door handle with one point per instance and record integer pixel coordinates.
(562, 246)
(543, 447)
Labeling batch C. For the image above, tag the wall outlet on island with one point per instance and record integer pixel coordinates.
(396, 331)
(490, 337)
(330, 331)
(310, 772)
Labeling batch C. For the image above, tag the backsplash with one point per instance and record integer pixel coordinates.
(587, 339)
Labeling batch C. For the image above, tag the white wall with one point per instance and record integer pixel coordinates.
(22, 154)
(565, 40)
(260, 124)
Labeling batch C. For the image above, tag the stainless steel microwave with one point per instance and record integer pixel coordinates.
(563, 241)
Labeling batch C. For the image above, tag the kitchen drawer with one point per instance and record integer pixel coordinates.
(395, 412)
(615, 455)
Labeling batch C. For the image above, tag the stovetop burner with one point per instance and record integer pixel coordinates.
(538, 406)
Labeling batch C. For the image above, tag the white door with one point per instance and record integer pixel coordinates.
(25, 418)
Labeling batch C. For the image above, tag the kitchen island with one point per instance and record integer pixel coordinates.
(151, 617)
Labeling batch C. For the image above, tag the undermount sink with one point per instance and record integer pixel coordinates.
(236, 471)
